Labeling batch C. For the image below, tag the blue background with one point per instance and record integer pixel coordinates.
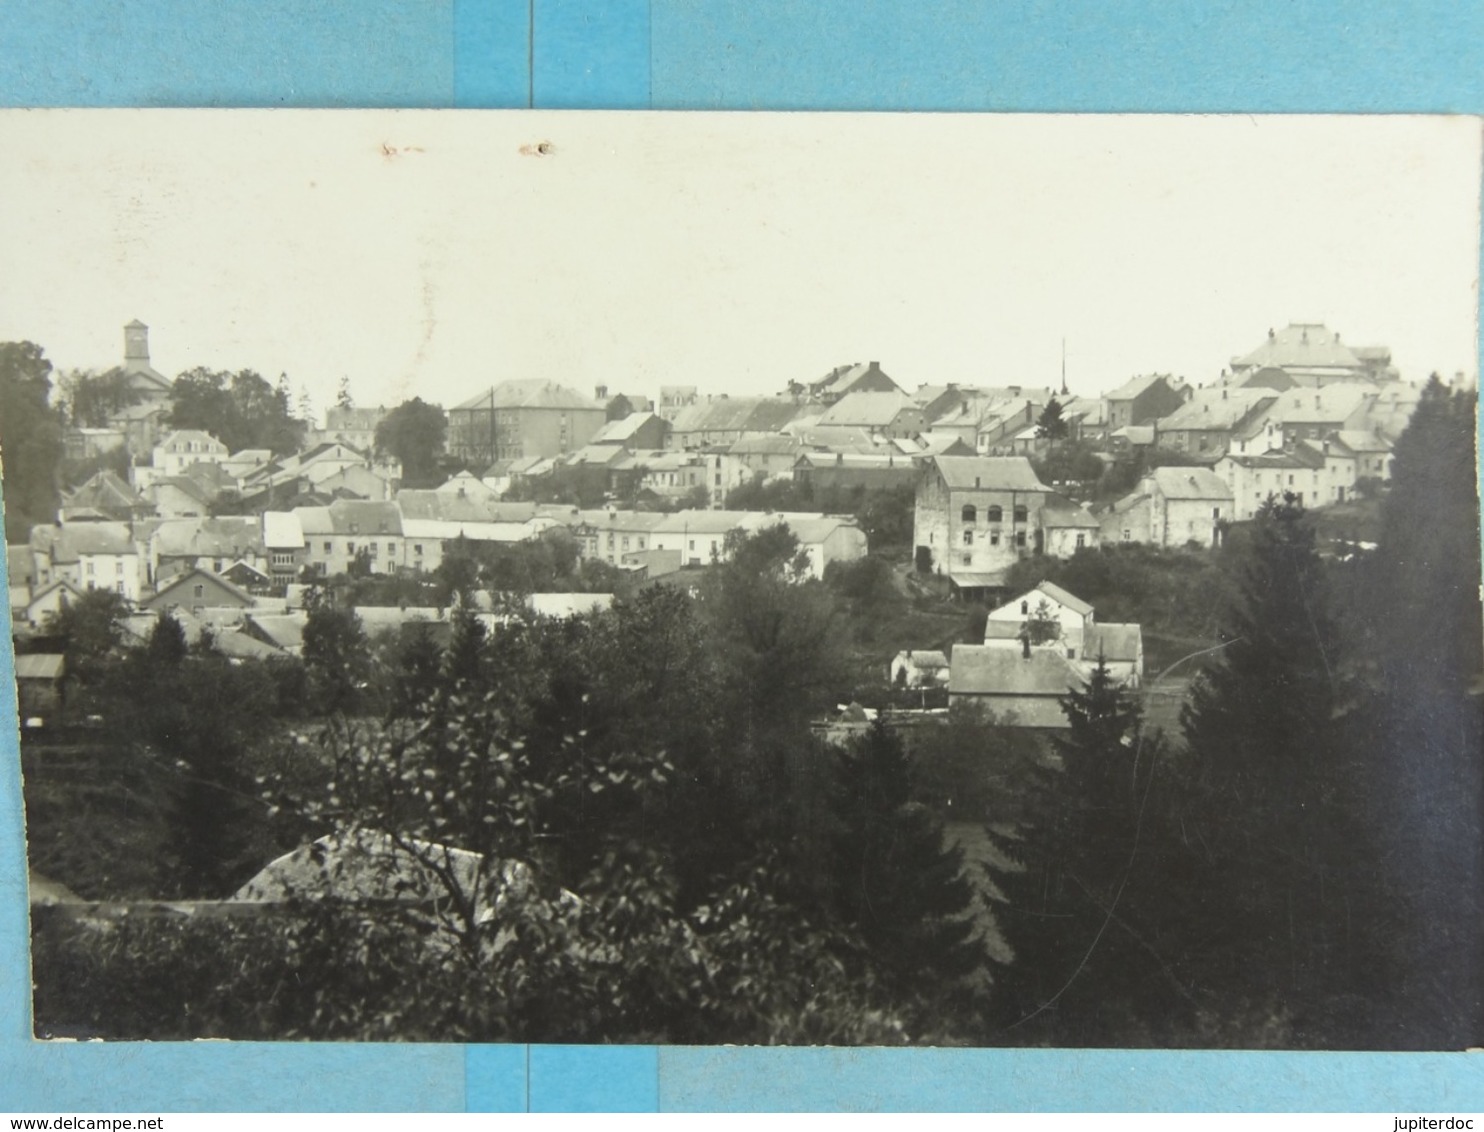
(1012, 55)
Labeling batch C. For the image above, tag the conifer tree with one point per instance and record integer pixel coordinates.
(1281, 934)
(896, 882)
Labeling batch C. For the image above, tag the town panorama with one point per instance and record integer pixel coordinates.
(874, 711)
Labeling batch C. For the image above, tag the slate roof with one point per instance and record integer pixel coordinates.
(1190, 483)
(71, 542)
(1117, 642)
(229, 536)
(1358, 441)
(994, 473)
(39, 666)
(529, 393)
(1060, 513)
(996, 670)
(1216, 409)
(164, 594)
(1065, 597)
(1135, 386)
(1301, 345)
(616, 432)
(867, 410)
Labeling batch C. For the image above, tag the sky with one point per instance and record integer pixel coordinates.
(435, 253)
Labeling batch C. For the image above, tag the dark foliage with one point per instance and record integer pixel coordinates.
(241, 409)
(414, 432)
(30, 439)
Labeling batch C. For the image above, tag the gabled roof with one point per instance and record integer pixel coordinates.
(996, 670)
(1358, 441)
(106, 492)
(1217, 409)
(735, 414)
(616, 432)
(775, 445)
(1190, 483)
(70, 542)
(190, 436)
(1323, 404)
(229, 536)
(989, 473)
(1135, 386)
(842, 379)
(868, 410)
(284, 630)
(167, 592)
(1065, 597)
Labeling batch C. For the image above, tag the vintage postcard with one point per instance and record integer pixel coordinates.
(804, 579)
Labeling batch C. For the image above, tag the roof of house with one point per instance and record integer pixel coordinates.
(105, 491)
(1136, 434)
(880, 461)
(173, 441)
(20, 564)
(286, 630)
(1060, 513)
(230, 536)
(996, 670)
(1216, 408)
(1301, 345)
(628, 522)
(1358, 441)
(989, 473)
(70, 542)
(39, 666)
(1114, 641)
(868, 410)
(1190, 483)
(771, 445)
(1065, 597)
(1135, 386)
(529, 393)
(840, 380)
(186, 485)
(616, 432)
(735, 414)
(702, 522)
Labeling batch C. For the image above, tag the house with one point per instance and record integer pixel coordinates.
(48, 600)
(283, 543)
(1307, 414)
(1311, 354)
(184, 447)
(1172, 506)
(565, 606)
(20, 574)
(178, 497)
(354, 426)
(975, 516)
(613, 535)
(96, 555)
(177, 546)
(351, 533)
(674, 398)
(1022, 686)
(1370, 450)
(1050, 617)
(824, 472)
(284, 631)
(842, 381)
(880, 415)
(1142, 400)
(699, 536)
(107, 494)
(822, 538)
(520, 419)
(1069, 526)
(1002, 420)
(724, 420)
(918, 668)
(38, 685)
(1205, 425)
(198, 590)
(634, 431)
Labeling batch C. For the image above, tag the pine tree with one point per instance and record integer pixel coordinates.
(167, 641)
(1421, 728)
(1085, 970)
(896, 882)
(1050, 425)
(1279, 936)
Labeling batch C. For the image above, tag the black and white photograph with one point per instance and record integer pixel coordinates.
(747, 579)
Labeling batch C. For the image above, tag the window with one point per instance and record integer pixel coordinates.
(1081, 541)
(994, 538)
(417, 549)
(641, 542)
(969, 514)
(90, 566)
(350, 548)
(391, 548)
(610, 541)
(968, 538)
(968, 560)
(1019, 538)
(995, 514)
(198, 591)
(1020, 513)
(328, 548)
(1071, 654)
(625, 542)
(693, 544)
(1290, 479)
(1127, 536)
(1025, 608)
(120, 587)
(1216, 512)
(118, 566)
